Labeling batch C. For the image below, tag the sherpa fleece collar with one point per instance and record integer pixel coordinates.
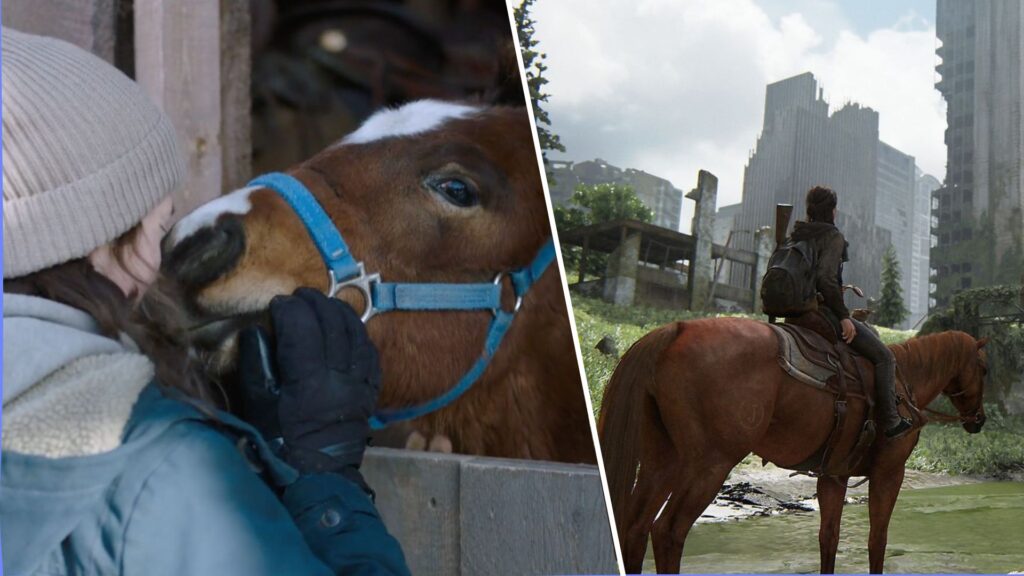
(41, 336)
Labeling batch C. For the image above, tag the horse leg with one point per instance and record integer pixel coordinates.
(649, 495)
(695, 489)
(885, 487)
(831, 497)
(658, 468)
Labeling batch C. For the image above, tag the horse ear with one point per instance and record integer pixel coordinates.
(982, 342)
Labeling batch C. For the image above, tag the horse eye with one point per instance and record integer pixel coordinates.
(455, 191)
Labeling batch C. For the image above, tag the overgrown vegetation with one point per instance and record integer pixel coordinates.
(997, 451)
(996, 312)
(593, 204)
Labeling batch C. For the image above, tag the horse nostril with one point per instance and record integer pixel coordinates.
(206, 255)
(974, 426)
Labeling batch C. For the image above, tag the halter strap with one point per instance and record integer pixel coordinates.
(329, 242)
(345, 270)
(389, 296)
(522, 280)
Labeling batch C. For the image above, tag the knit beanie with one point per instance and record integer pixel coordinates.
(86, 154)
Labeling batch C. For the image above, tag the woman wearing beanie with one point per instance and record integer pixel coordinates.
(115, 460)
(831, 250)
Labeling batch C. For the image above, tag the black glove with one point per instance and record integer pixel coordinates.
(257, 373)
(324, 387)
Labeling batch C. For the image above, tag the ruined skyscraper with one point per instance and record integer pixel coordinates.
(895, 211)
(978, 239)
(920, 300)
(802, 146)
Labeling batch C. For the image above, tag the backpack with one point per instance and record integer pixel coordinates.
(789, 287)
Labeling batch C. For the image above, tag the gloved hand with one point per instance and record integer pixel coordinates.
(324, 387)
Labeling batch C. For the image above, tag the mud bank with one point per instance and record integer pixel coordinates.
(753, 490)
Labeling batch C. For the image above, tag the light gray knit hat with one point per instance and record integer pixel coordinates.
(86, 154)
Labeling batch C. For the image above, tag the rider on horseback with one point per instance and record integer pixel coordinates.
(831, 250)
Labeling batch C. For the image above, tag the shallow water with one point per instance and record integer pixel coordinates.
(973, 528)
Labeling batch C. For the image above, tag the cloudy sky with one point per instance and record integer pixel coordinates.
(673, 86)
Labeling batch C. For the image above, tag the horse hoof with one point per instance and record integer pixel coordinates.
(441, 443)
(416, 441)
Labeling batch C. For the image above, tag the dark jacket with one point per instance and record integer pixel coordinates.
(830, 248)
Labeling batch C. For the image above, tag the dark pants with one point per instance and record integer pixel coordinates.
(867, 344)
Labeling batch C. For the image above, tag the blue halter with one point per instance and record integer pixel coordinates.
(344, 271)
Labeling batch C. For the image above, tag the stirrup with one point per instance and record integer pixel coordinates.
(900, 429)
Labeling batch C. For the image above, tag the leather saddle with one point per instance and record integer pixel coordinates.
(811, 353)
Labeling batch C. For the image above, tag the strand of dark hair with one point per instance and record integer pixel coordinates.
(154, 322)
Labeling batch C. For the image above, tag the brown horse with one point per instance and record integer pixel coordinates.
(429, 192)
(691, 399)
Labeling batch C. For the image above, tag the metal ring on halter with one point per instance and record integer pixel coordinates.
(362, 282)
(519, 299)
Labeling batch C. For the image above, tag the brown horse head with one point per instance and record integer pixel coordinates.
(966, 389)
(429, 192)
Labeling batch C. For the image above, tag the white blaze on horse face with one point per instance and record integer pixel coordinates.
(408, 120)
(236, 202)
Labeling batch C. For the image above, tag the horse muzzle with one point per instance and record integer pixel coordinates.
(973, 424)
(206, 255)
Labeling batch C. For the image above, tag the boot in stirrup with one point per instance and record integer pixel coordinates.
(895, 424)
(899, 429)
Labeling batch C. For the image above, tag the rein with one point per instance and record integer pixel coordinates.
(944, 417)
(344, 271)
(937, 415)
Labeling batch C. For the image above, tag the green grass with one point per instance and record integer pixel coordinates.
(997, 451)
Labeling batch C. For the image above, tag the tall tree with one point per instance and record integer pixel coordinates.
(533, 65)
(891, 310)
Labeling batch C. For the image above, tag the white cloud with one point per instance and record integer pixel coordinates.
(672, 87)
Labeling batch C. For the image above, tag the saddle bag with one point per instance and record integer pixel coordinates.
(788, 288)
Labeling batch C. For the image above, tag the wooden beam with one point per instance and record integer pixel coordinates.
(235, 96)
(735, 255)
(177, 62)
(88, 24)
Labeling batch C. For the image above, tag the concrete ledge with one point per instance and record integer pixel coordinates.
(459, 514)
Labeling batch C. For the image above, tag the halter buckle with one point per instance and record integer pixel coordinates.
(362, 282)
(519, 299)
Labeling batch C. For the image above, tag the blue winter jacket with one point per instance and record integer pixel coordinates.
(183, 493)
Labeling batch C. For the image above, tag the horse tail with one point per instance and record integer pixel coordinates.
(620, 423)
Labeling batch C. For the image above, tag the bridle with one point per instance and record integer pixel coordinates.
(977, 417)
(344, 271)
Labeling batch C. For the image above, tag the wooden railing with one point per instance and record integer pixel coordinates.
(458, 514)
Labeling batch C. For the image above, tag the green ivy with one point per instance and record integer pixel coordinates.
(998, 313)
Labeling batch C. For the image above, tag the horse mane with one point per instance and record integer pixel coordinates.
(931, 358)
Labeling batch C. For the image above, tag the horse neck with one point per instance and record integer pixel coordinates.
(928, 363)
